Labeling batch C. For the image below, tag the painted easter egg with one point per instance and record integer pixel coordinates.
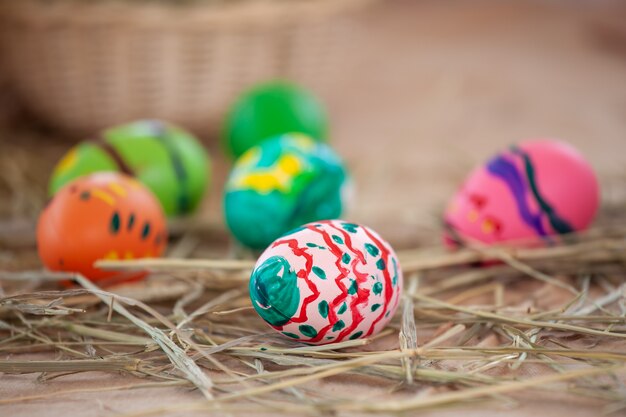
(271, 109)
(283, 183)
(101, 216)
(326, 282)
(167, 159)
(532, 192)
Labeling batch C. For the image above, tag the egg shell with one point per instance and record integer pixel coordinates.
(270, 109)
(527, 194)
(281, 184)
(164, 157)
(327, 282)
(101, 216)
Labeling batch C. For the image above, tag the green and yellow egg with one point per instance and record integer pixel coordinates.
(167, 159)
(281, 184)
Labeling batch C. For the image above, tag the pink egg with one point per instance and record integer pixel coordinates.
(532, 192)
(327, 281)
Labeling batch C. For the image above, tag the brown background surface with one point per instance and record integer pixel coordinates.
(435, 88)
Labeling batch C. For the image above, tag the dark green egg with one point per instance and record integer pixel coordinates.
(272, 109)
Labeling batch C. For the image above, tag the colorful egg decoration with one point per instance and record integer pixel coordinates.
(533, 192)
(101, 216)
(280, 184)
(271, 109)
(164, 157)
(326, 282)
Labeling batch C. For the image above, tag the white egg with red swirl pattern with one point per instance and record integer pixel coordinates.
(327, 281)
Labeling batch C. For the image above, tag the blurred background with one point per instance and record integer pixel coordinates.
(418, 92)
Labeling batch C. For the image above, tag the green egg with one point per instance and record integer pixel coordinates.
(166, 158)
(281, 184)
(271, 109)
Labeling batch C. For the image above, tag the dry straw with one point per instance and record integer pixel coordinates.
(475, 325)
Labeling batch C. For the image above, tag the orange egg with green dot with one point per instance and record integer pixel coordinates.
(101, 216)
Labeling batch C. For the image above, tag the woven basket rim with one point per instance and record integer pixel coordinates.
(161, 15)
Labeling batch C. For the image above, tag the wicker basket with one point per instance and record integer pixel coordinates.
(81, 66)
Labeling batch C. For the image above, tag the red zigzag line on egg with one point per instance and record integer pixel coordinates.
(348, 241)
(362, 294)
(304, 274)
(388, 284)
(343, 272)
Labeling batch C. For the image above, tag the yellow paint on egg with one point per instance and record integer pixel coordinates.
(488, 227)
(303, 140)
(111, 256)
(289, 164)
(261, 182)
(278, 177)
(104, 196)
(117, 189)
(249, 157)
(68, 161)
